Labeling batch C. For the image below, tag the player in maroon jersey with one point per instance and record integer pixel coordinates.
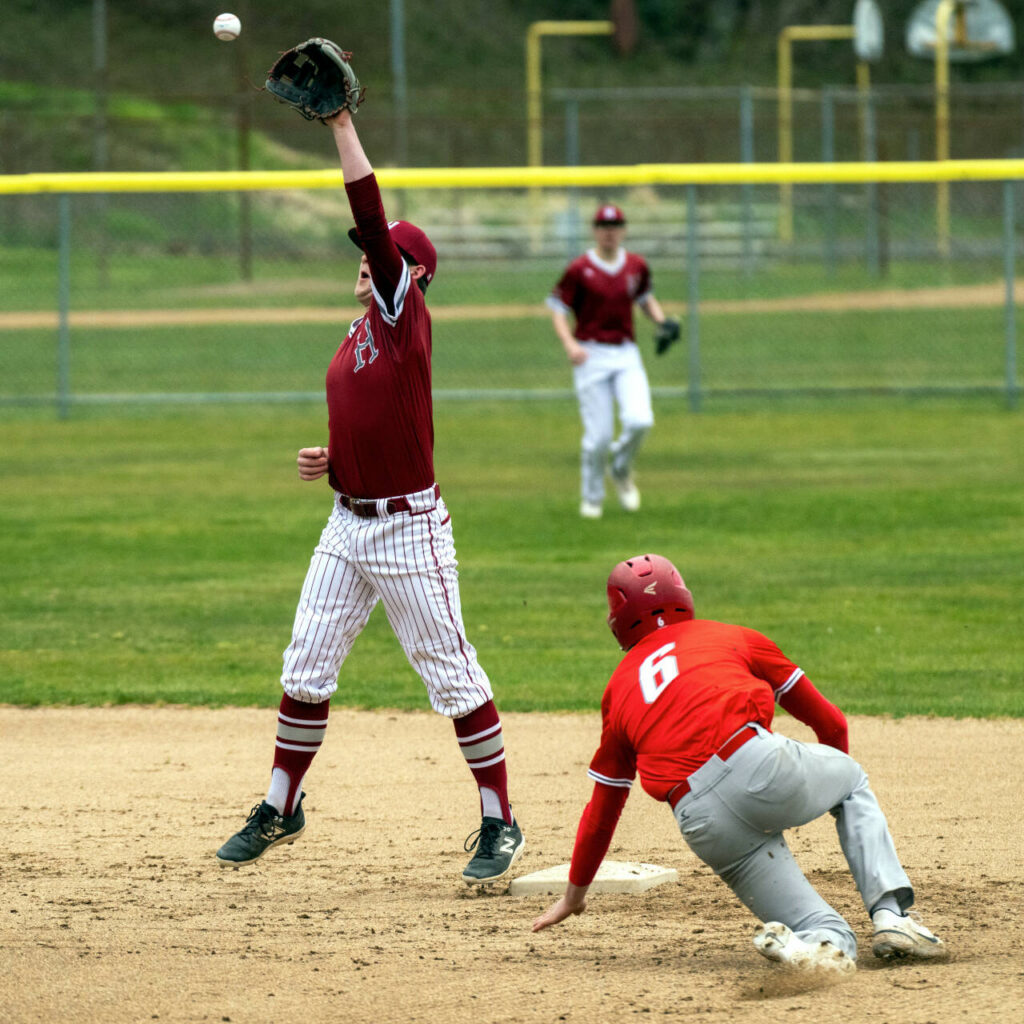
(690, 710)
(388, 539)
(600, 288)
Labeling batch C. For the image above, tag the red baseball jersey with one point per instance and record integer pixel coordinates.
(679, 695)
(601, 295)
(379, 405)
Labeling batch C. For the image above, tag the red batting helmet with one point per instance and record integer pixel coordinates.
(644, 594)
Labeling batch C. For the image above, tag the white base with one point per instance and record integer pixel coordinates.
(612, 876)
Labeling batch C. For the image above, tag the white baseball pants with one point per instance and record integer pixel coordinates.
(407, 561)
(611, 374)
(735, 813)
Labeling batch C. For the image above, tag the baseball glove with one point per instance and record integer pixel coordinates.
(666, 335)
(316, 79)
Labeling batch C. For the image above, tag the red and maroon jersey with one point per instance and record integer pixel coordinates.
(379, 405)
(601, 295)
(679, 695)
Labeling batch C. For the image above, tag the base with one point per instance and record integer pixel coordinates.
(612, 876)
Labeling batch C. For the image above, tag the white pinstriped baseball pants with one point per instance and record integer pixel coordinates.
(735, 813)
(407, 561)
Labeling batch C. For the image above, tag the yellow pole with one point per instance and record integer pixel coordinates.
(942, 15)
(788, 36)
(534, 34)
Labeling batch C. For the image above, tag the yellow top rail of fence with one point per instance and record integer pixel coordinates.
(525, 177)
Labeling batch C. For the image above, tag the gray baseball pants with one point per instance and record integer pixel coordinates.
(735, 813)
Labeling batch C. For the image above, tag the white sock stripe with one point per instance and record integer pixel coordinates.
(485, 749)
(483, 762)
(294, 746)
(288, 732)
(463, 740)
(306, 723)
(487, 764)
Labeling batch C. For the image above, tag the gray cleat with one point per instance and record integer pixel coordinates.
(498, 846)
(263, 829)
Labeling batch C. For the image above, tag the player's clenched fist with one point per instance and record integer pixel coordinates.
(312, 463)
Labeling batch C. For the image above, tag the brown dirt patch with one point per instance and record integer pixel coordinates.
(113, 908)
(952, 297)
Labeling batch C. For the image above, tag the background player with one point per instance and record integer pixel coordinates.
(388, 538)
(599, 289)
(690, 708)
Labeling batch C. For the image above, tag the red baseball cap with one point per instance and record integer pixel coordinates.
(609, 214)
(412, 243)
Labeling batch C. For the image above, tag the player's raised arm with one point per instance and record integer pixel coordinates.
(386, 265)
(354, 162)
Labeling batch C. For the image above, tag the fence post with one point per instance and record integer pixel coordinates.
(828, 155)
(871, 157)
(572, 159)
(747, 157)
(693, 297)
(1009, 263)
(63, 305)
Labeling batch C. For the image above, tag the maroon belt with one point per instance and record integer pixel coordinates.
(366, 508)
(724, 752)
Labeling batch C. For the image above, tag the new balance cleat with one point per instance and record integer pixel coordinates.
(590, 509)
(898, 936)
(498, 846)
(775, 941)
(264, 828)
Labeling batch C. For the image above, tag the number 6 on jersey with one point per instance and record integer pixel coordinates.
(656, 671)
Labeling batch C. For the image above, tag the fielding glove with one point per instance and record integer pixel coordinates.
(666, 335)
(316, 79)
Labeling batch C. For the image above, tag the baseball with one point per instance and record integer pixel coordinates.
(226, 27)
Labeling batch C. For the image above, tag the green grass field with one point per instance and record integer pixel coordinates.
(919, 348)
(157, 556)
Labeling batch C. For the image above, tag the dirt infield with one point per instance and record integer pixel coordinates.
(114, 909)
(951, 297)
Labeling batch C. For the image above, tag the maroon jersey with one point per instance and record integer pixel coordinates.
(679, 694)
(601, 295)
(379, 405)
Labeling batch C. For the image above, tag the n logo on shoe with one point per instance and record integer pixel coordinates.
(508, 845)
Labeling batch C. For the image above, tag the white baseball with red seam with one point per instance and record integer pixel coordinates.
(226, 27)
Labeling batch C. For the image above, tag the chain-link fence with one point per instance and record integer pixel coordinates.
(579, 126)
(229, 296)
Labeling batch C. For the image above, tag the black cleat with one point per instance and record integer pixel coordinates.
(498, 846)
(263, 829)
